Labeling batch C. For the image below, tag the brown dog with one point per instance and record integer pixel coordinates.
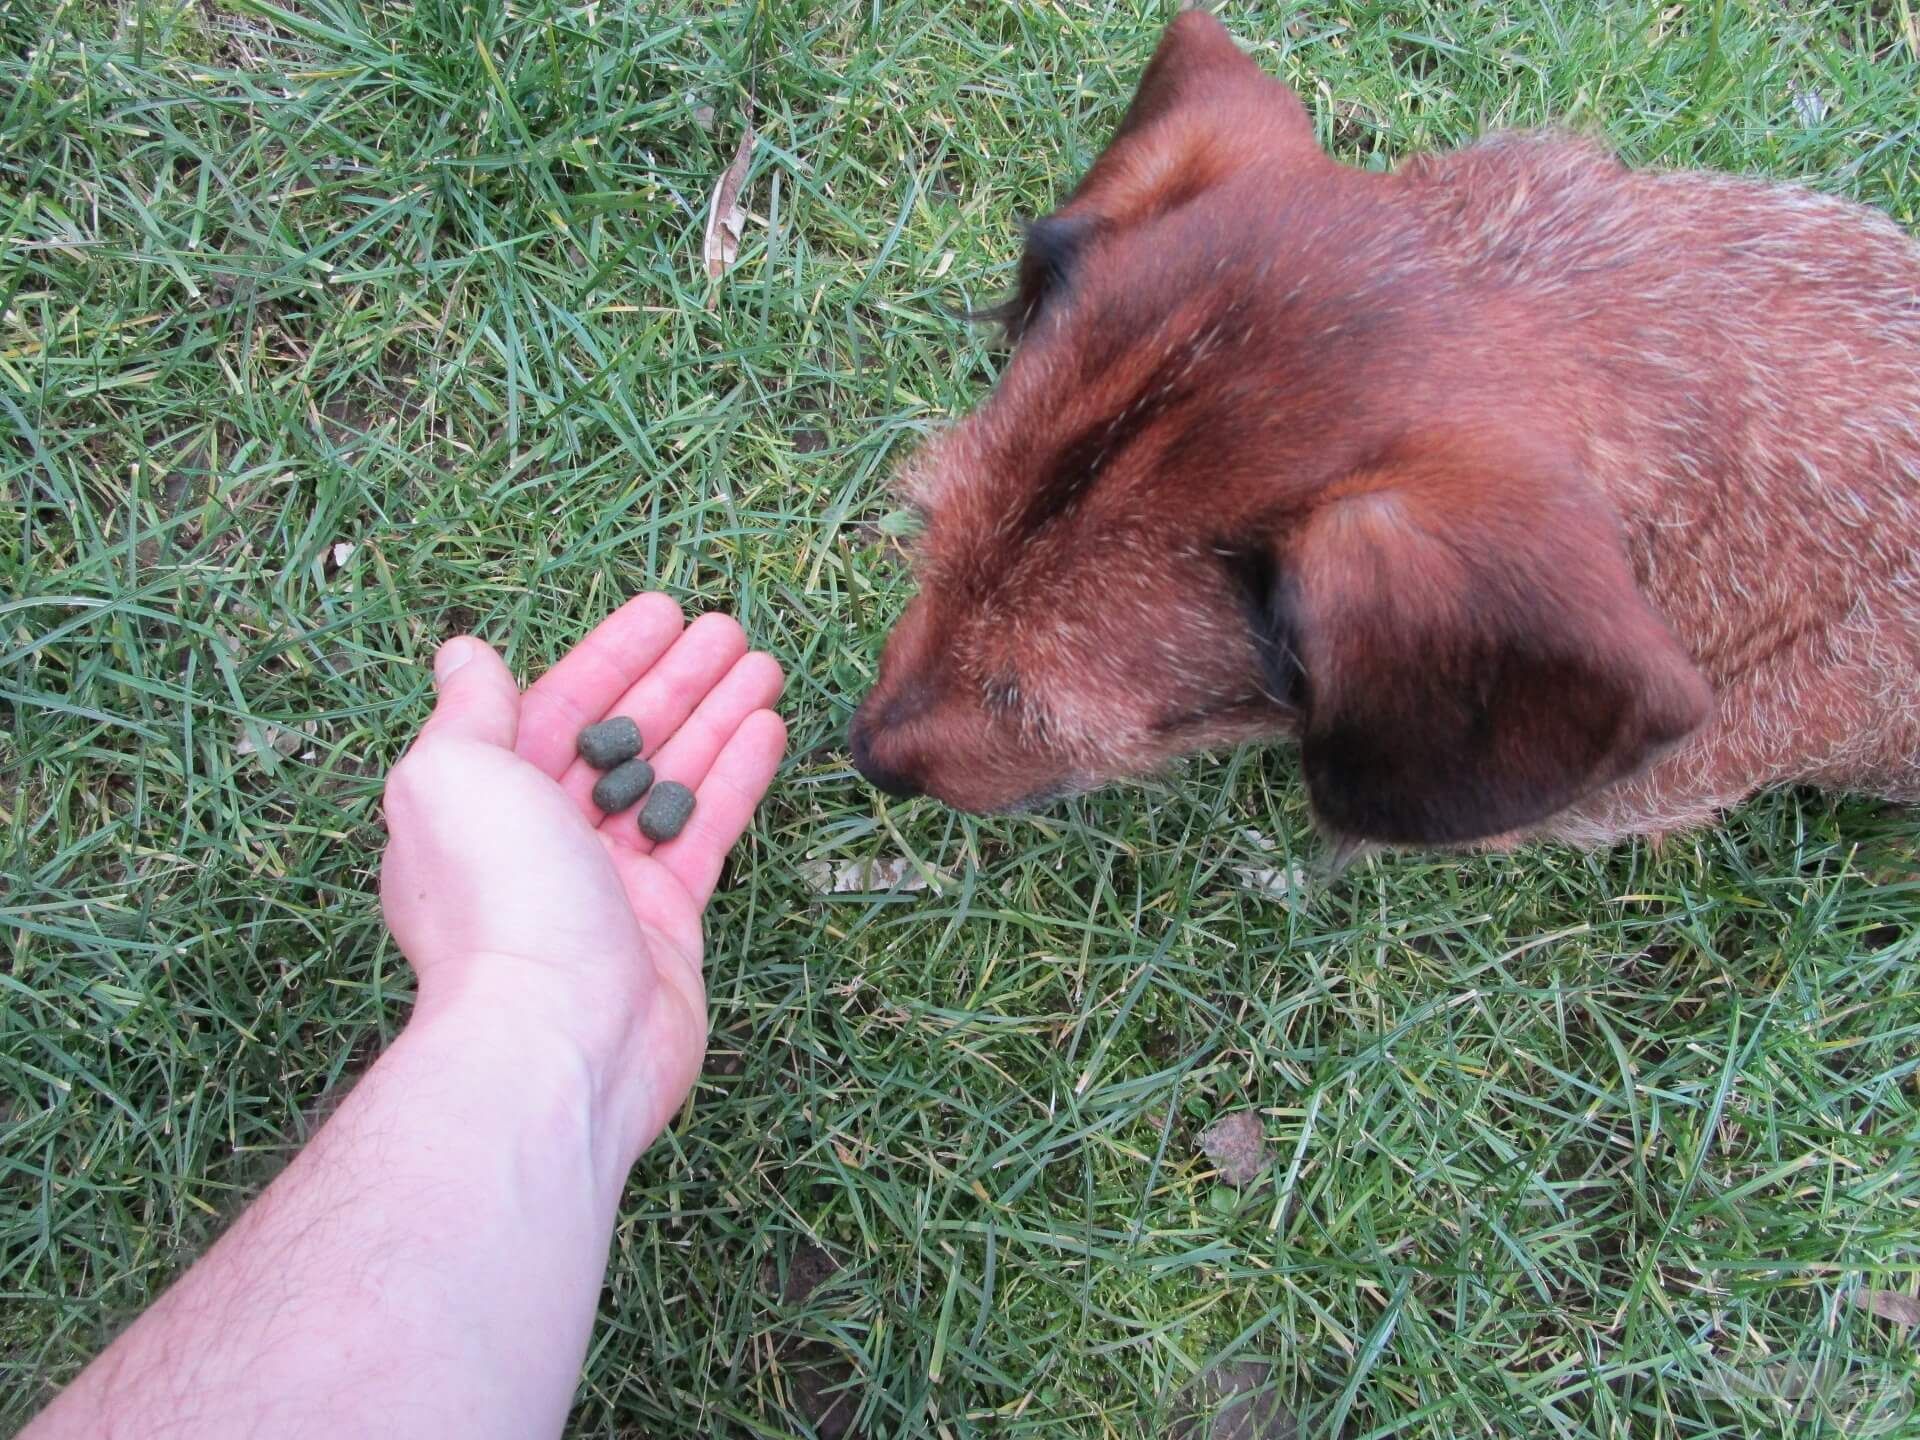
(1533, 495)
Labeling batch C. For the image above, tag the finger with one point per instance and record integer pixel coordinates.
(667, 694)
(589, 678)
(478, 699)
(724, 804)
(753, 683)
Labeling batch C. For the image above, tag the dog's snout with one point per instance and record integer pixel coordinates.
(909, 701)
(884, 778)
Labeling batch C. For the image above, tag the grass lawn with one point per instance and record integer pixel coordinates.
(329, 329)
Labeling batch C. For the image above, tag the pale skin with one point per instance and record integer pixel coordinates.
(429, 1264)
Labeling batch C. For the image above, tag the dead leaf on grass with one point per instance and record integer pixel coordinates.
(1237, 1146)
(265, 744)
(1273, 883)
(283, 741)
(1892, 1305)
(862, 876)
(1282, 885)
(338, 555)
(1809, 107)
(725, 216)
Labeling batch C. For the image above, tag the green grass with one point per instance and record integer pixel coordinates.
(1566, 1145)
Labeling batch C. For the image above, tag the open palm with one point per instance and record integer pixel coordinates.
(504, 883)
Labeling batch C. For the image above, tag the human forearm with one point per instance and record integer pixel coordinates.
(430, 1264)
(454, 1211)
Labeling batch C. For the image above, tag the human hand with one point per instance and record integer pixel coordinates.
(527, 912)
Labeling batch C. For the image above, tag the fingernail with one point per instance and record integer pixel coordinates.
(451, 656)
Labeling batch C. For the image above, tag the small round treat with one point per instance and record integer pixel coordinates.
(667, 810)
(610, 743)
(622, 785)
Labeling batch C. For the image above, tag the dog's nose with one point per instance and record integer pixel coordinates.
(890, 782)
(910, 700)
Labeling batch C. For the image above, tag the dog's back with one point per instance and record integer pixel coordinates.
(1743, 361)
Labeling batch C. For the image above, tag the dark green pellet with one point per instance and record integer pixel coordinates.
(610, 743)
(666, 811)
(622, 785)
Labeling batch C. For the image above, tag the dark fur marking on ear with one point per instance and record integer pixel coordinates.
(1053, 245)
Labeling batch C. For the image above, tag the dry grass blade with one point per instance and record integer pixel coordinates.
(725, 216)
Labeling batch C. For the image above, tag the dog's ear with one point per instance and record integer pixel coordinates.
(1203, 111)
(1462, 632)
(1054, 243)
(1197, 62)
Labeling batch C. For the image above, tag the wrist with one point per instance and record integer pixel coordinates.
(516, 1047)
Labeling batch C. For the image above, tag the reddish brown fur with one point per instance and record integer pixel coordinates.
(1534, 495)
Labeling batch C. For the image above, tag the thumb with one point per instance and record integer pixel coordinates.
(478, 699)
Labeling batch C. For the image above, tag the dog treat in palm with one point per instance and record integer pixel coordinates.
(666, 811)
(622, 785)
(610, 743)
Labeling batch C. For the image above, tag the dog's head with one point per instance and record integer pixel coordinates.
(1230, 486)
